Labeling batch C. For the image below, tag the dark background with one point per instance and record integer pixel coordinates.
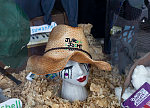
(90, 11)
(94, 12)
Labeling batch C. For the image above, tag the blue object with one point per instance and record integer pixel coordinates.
(51, 76)
(37, 8)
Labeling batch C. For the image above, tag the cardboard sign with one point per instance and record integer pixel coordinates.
(42, 29)
(139, 99)
(11, 103)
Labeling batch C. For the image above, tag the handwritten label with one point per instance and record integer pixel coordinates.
(42, 29)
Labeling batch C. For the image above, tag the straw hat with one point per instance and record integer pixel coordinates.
(65, 43)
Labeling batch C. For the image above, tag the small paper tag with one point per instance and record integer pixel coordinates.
(11, 103)
(42, 29)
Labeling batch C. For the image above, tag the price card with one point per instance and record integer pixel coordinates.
(139, 99)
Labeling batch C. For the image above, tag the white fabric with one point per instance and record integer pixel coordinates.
(140, 75)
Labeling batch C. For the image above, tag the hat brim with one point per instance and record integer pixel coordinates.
(42, 65)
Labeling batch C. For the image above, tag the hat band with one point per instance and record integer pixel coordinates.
(69, 49)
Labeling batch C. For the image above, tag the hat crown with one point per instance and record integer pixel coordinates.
(67, 37)
(65, 43)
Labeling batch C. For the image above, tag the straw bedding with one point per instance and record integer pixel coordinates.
(44, 93)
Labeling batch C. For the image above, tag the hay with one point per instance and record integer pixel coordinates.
(44, 93)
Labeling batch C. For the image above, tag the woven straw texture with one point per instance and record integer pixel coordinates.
(63, 36)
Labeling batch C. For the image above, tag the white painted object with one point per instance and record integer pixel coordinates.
(38, 39)
(75, 77)
(140, 75)
(128, 92)
(30, 76)
(11, 103)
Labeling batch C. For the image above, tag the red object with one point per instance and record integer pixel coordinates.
(147, 105)
(82, 79)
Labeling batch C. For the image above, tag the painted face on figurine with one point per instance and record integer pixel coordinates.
(75, 73)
